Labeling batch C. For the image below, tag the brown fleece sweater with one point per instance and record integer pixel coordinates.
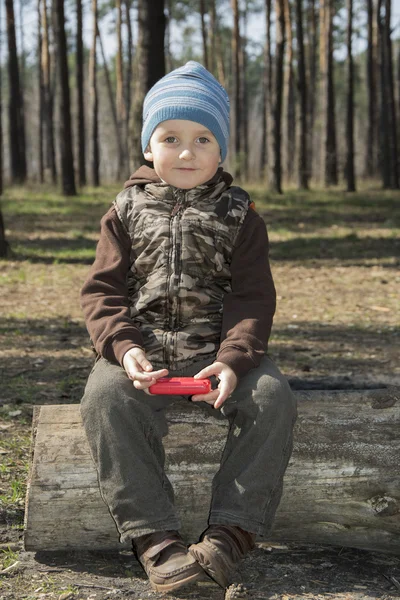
(247, 311)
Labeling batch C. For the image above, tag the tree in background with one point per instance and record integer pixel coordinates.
(120, 99)
(349, 167)
(302, 172)
(65, 130)
(311, 80)
(94, 104)
(203, 32)
(4, 246)
(389, 96)
(370, 166)
(275, 178)
(266, 117)
(329, 149)
(80, 102)
(151, 67)
(289, 95)
(40, 94)
(15, 106)
(48, 97)
(236, 129)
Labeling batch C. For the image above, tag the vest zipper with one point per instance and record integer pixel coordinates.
(175, 276)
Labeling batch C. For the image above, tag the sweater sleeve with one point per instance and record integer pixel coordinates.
(249, 308)
(104, 296)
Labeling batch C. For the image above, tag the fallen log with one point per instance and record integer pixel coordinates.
(342, 486)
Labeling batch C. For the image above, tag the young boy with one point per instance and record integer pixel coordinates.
(181, 286)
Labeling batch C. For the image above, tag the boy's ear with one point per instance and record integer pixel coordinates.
(148, 155)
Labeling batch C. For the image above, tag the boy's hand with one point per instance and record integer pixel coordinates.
(140, 370)
(227, 384)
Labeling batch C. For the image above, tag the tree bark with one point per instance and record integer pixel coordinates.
(15, 108)
(276, 179)
(2, 235)
(80, 96)
(94, 107)
(289, 96)
(340, 488)
(394, 166)
(40, 94)
(244, 104)
(384, 134)
(4, 245)
(302, 172)
(151, 67)
(266, 150)
(48, 102)
(203, 32)
(129, 65)
(329, 153)
(312, 83)
(370, 168)
(349, 168)
(120, 102)
(236, 90)
(212, 36)
(110, 92)
(65, 129)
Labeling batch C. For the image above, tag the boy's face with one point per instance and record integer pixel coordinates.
(184, 153)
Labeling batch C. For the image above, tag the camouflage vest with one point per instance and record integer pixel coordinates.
(182, 243)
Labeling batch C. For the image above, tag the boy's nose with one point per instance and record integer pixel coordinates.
(186, 154)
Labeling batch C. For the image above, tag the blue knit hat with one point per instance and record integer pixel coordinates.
(190, 93)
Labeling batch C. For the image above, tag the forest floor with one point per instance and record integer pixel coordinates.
(335, 259)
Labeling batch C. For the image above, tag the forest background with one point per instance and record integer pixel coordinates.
(315, 90)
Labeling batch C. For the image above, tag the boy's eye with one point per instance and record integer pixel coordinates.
(170, 139)
(203, 140)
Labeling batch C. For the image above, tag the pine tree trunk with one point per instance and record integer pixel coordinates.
(302, 174)
(65, 129)
(370, 167)
(244, 98)
(4, 246)
(48, 100)
(266, 150)
(40, 94)
(349, 168)
(129, 65)
(109, 88)
(80, 95)
(15, 110)
(212, 36)
(203, 33)
(168, 55)
(219, 56)
(394, 167)
(94, 107)
(120, 103)
(151, 67)
(329, 129)
(384, 135)
(276, 180)
(289, 96)
(2, 239)
(237, 126)
(312, 83)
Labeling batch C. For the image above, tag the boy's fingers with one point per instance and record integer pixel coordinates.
(207, 372)
(209, 398)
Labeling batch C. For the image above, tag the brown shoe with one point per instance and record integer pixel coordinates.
(220, 549)
(166, 560)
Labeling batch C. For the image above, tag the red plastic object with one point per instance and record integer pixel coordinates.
(182, 386)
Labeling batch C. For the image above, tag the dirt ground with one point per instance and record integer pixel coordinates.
(337, 326)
